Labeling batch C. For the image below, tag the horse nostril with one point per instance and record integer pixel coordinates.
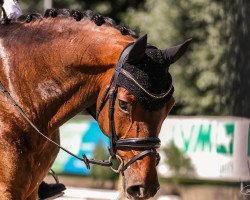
(136, 191)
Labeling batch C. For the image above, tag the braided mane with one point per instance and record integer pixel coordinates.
(97, 18)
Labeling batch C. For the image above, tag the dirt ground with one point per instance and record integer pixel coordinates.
(190, 192)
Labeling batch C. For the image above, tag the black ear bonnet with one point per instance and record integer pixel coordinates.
(152, 74)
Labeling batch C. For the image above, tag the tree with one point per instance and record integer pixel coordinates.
(48, 4)
(178, 163)
(101, 174)
(111, 8)
(212, 77)
(197, 76)
(237, 70)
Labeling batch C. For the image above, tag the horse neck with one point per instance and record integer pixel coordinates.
(62, 66)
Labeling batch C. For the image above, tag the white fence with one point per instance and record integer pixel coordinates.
(219, 147)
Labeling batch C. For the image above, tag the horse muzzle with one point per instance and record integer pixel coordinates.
(139, 191)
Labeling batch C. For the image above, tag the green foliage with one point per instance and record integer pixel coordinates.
(197, 74)
(178, 163)
(212, 77)
(237, 69)
(37, 5)
(31, 6)
(99, 173)
(111, 8)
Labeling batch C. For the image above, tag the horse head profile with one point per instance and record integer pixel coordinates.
(143, 100)
(67, 61)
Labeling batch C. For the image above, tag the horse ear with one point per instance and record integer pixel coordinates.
(172, 54)
(138, 49)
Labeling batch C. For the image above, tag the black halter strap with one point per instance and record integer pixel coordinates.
(112, 97)
(148, 146)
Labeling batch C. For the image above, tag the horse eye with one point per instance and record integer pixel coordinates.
(124, 106)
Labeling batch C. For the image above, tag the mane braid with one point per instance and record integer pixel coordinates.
(97, 18)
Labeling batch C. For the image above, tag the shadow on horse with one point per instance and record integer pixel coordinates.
(54, 66)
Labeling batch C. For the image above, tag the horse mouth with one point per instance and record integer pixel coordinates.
(138, 197)
(139, 192)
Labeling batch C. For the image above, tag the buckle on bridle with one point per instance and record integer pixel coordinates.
(119, 159)
(104, 163)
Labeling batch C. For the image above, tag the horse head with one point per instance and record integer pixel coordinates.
(131, 115)
(71, 66)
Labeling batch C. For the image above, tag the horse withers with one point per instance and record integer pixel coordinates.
(57, 65)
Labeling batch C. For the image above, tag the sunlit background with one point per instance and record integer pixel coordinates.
(202, 157)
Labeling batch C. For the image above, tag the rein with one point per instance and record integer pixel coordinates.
(19, 109)
(147, 146)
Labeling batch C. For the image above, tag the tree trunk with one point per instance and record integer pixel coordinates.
(237, 82)
(48, 4)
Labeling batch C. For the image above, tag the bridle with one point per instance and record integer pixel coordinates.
(147, 146)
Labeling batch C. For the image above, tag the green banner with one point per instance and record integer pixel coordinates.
(205, 137)
(227, 148)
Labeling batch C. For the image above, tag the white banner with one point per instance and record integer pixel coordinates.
(219, 148)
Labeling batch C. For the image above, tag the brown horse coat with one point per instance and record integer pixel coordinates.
(54, 68)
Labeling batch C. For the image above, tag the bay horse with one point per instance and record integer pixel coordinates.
(56, 65)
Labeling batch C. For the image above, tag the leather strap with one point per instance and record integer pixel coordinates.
(140, 156)
(138, 143)
(146, 145)
(84, 158)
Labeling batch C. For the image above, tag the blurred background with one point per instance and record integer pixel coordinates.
(203, 157)
(212, 78)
